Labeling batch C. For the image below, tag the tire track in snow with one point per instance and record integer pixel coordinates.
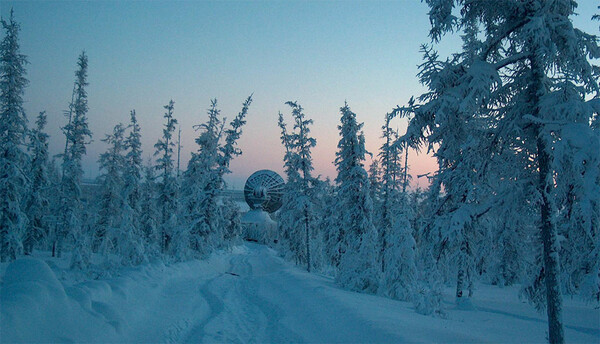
(215, 305)
(228, 318)
(237, 313)
(241, 321)
(274, 331)
(175, 308)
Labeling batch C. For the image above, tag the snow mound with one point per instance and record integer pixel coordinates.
(258, 216)
(239, 249)
(465, 304)
(33, 298)
(30, 270)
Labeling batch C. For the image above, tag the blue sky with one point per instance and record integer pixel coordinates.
(143, 53)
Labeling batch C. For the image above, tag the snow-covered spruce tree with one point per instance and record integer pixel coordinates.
(167, 194)
(532, 69)
(207, 222)
(111, 203)
(509, 234)
(416, 201)
(303, 145)
(297, 214)
(390, 172)
(230, 220)
(330, 228)
(199, 208)
(13, 130)
(509, 245)
(38, 204)
(231, 223)
(375, 187)
(149, 212)
(200, 183)
(358, 269)
(324, 228)
(392, 215)
(54, 198)
(232, 134)
(132, 248)
(400, 277)
(459, 133)
(133, 165)
(178, 167)
(78, 135)
(288, 214)
(406, 177)
(459, 103)
(428, 298)
(452, 113)
(575, 169)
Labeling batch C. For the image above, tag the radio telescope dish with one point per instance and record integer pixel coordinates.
(263, 190)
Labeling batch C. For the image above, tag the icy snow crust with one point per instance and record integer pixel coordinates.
(250, 295)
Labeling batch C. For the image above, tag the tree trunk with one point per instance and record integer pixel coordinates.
(405, 184)
(464, 280)
(59, 246)
(548, 230)
(28, 243)
(460, 283)
(461, 275)
(384, 231)
(551, 247)
(61, 235)
(385, 219)
(470, 286)
(307, 229)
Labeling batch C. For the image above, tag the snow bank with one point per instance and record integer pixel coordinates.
(36, 307)
(150, 303)
(258, 225)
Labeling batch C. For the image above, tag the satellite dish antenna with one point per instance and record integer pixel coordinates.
(264, 190)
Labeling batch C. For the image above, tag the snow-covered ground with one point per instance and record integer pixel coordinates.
(251, 295)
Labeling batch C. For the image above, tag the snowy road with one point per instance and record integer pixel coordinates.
(257, 298)
(260, 299)
(250, 295)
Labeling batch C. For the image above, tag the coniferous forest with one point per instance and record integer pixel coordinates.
(512, 118)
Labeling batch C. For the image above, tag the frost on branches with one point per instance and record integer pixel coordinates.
(297, 215)
(209, 222)
(13, 129)
(525, 86)
(358, 269)
(77, 135)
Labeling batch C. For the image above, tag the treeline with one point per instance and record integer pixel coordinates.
(139, 212)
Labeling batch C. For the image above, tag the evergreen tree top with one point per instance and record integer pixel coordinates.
(13, 122)
(298, 144)
(351, 147)
(165, 145)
